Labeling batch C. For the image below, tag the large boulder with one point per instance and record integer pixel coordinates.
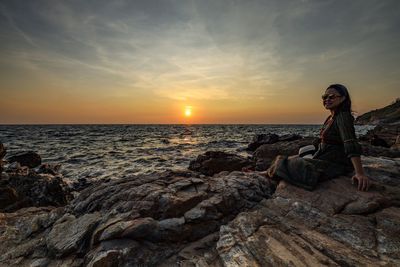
(262, 139)
(29, 159)
(28, 189)
(384, 135)
(213, 162)
(335, 225)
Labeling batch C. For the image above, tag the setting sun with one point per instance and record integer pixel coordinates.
(188, 111)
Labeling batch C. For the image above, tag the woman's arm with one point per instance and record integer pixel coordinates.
(362, 179)
(345, 122)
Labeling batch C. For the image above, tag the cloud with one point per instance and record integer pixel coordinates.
(201, 49)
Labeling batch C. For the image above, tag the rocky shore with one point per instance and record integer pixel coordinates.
(211, 214)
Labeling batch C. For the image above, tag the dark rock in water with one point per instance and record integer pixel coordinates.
(165, 141)
(30, 159)
(81, 184)
(289, 137)
(31, 189)
(47, 168)
(262, 139)
(213, 162)
(266, 153)
(3, 152)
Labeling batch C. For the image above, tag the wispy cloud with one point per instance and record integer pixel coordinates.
(199, 50)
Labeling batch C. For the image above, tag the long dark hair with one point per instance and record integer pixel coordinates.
(342, 90)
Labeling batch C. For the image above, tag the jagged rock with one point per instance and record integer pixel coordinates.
(142, 219)
(383, 134)
(29, 159)
(23, 234)
(289, 137)
(262, 139)
(333, 225)
(378, 151)
(229, 219)
(213, 162)
(29, 189)
(266, 153)
(70, 234)
(48, 168)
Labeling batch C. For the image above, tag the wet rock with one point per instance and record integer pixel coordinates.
(29, 159)
(30, 189)
(262, 139)
(213, 162)
(333, 225)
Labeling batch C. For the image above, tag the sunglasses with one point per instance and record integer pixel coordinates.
(330, 96)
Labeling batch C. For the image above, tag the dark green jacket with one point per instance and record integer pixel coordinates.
(338, 139)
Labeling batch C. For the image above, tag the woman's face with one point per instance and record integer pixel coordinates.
(332, 99)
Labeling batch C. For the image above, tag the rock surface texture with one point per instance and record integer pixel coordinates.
(213, 162)
(334, 225)
(142, 220)
(22, 187)
(230, 219)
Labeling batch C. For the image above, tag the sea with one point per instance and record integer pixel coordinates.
(98, 152)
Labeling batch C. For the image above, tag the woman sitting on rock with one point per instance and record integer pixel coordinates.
(338, 151)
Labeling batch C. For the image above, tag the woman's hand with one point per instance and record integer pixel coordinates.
(363, 181)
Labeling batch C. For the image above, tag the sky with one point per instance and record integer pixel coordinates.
(193, 61)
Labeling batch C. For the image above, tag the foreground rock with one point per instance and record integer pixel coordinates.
(213, 162)
(334, 225)
(230, 219)
(385, 135)
(141, 220)
(24, 188)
